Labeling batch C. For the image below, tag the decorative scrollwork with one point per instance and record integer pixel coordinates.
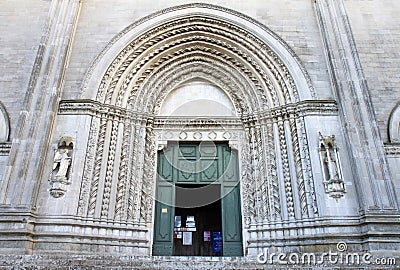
(88, 169)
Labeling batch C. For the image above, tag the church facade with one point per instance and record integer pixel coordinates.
(137, 129)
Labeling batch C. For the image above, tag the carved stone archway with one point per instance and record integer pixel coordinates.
(151, 58)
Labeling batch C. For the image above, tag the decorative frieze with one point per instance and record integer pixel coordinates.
(5, 148)
(95, 108)
(392, 149)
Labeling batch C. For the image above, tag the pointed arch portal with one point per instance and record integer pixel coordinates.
(257, 73)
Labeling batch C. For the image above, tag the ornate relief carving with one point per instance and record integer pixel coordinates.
(149, 172)
(183, 135)
(286, 169)
(261, 176)
(206, 6)
(169, 76)
(248, 185)
(330, 162)
(123, 173)
(212, 29)
(306, 160)
(60, 175)
(272, 173)
(299, 167)
(212, 135)
(303, 108)
(197, 135)
(257, 81)
(392, 149)
(206, 54)
(109, 170)
(135, 182)
(97, 167)
(5, 148)
(88, 169)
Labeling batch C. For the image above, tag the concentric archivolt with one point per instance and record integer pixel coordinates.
(121, 163)
(242, 50)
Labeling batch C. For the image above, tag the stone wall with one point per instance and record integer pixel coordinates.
(45, 223)
(21, 30)
(375, 27)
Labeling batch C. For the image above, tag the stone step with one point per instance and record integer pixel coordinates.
(123, 262)
(83, 262)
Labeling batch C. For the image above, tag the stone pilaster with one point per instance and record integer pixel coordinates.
(368, 162)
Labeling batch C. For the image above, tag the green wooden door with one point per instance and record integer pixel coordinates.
(164, 210)
(198, 163)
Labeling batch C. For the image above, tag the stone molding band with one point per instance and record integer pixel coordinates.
(5, 148)
(98, 109)
(392, 149)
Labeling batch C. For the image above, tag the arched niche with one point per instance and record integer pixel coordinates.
(394, 125)
(4, 124)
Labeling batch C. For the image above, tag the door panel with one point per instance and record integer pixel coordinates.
(231, 222)
(198, 163)
(163, 230)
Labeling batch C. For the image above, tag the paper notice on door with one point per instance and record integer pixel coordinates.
(187, 239)
(190, 222)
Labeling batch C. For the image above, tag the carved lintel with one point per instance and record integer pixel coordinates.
(330, 162)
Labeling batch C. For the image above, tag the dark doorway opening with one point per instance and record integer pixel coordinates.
(198, 220)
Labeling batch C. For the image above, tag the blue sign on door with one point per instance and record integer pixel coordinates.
(217, 242)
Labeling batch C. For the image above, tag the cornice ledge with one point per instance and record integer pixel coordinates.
(98, 109)
(5, 148)
(392, 149)
(301, 109)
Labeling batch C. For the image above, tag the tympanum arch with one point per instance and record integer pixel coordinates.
(197, 97)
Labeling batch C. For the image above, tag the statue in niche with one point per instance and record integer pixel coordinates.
(59, 178)
(61, 163)
(333, 182)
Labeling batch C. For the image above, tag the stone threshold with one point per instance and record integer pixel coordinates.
(69, 262)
